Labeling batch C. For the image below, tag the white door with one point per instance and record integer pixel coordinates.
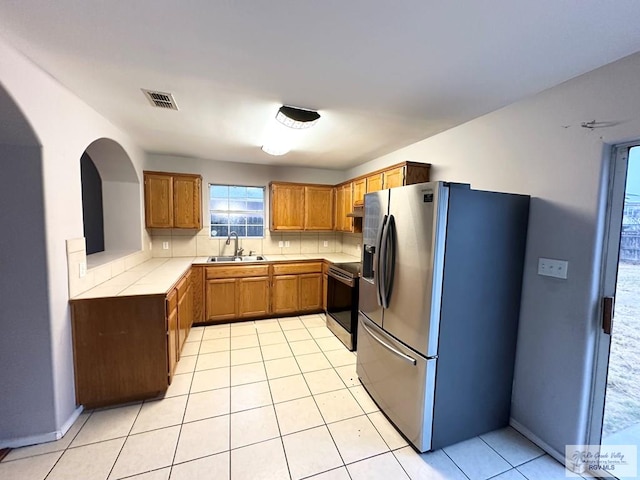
(616, 400)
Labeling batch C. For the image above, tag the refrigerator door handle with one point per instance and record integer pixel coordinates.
(377, 276)
(390, 260)
(406, 358)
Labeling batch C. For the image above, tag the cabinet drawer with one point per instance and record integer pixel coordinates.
(237, 271)
(294, 268)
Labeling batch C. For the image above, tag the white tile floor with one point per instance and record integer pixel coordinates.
(271, 399)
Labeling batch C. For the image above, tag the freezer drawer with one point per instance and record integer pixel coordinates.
(401, 382)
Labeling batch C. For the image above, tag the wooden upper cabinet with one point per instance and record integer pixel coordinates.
(344, 205)
(301, 206)
(359, 189)
(287, 206)
(394, 177)
(318, 207)
(158, 200)
(187, 202)
(374, 182)
(172, 200)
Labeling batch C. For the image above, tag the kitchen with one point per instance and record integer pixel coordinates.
(534, 146)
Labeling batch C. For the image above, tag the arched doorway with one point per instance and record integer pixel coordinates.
(25, 344)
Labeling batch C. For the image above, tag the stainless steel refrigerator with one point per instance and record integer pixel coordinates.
(438, 308)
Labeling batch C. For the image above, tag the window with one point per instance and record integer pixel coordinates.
(234, 208)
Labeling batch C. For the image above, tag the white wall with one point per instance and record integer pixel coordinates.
(537, 147)
(65, 127)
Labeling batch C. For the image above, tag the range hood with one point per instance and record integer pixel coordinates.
(358, 212)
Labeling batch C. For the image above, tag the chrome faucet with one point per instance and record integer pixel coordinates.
(237, 251)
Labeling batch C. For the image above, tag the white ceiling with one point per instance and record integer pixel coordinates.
(383, 74)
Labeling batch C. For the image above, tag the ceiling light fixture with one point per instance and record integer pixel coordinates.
(297, 118)
(275, 150)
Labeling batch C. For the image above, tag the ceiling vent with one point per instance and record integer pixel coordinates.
(160, 99)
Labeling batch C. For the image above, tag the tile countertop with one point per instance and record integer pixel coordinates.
(157, 275)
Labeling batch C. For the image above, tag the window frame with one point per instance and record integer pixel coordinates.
(245, 212)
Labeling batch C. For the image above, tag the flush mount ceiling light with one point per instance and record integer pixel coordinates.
(275, 150)
(297, 118)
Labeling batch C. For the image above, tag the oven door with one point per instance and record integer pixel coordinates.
(342, 299)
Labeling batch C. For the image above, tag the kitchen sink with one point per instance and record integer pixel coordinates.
(244, 258)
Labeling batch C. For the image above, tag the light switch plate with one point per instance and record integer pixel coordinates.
(549, 267)
(165, 245)
(325, 243)
(280, 244)
(287, 244)
(82, 269)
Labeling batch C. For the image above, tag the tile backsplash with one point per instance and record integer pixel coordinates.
(191, 243)
(108, 266)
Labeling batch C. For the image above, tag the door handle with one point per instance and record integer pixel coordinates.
(377, 277)
(390, 259)
(607, 314)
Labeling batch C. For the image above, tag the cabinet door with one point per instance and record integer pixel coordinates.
(325, 285)
(221, 298)
(344, 205)
(172, 333)
(187, 202)
(416, 173)
(158, 198)
(347, 207)
(183, 311)
(359, 189)
(285, 294)
(310, 291)
(287, 207)
(197, 286)
(339, 209)
(254, 297)
(185, 316)
(318, 211)
(394, 178)
(374, 182)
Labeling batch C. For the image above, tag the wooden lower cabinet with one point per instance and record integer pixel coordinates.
(127, 348)
(221, 299)
(297, 287)
(285, 294)
(253, 294)
(310, 292)
(173, 350)
(325, 285)
(197, 285)
(122, 347)
(235, 292)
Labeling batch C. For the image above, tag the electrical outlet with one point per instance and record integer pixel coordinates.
(280, 244)
(287, 244)
(165, 245)
(325, 243)
(82, 267)
(549, 267)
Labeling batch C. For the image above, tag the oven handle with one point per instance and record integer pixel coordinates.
(341, 277)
